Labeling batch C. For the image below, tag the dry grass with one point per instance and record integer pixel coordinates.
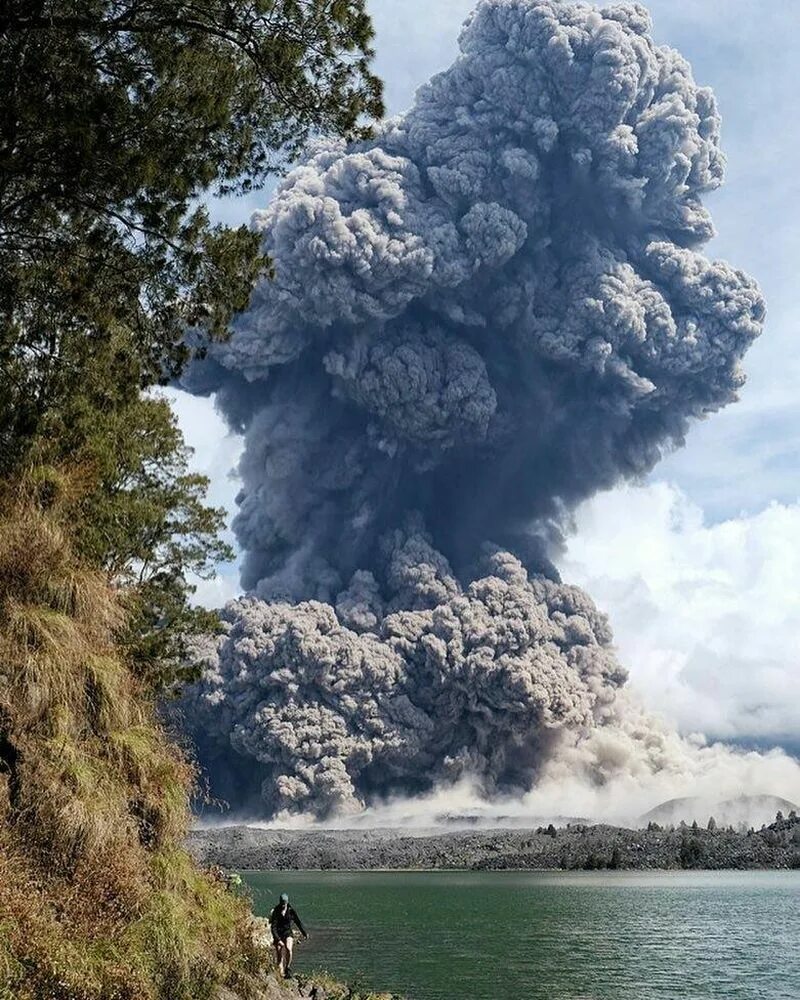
(97, 899)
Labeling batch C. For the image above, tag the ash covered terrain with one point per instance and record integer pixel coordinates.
(574, 847)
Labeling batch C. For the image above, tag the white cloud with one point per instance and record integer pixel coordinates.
(217, 592)
(216, 455)
(216, 449)
(706, 617)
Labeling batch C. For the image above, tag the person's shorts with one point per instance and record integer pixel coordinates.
(276, 939)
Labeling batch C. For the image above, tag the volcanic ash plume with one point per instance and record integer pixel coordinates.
(482, 316)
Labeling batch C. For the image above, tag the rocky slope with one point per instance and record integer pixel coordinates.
(317, 986)
(314, 987)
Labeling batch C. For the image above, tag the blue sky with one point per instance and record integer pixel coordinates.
(699, 567)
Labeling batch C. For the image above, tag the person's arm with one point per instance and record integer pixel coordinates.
(299, 925)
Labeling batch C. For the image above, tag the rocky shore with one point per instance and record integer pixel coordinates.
(571, 847)
(316, 986)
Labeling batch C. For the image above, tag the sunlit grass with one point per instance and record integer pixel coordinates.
(98, 900)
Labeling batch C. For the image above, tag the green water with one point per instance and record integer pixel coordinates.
(570, 936)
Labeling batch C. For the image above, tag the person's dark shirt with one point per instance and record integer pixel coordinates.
(281, 920)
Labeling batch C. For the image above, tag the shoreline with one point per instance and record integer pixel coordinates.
(509, 871)
(314, 985)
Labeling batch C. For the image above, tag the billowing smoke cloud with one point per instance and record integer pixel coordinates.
(482, 316)
(340, 704)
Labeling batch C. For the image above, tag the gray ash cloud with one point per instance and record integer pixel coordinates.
(341, 704)
(493, 309)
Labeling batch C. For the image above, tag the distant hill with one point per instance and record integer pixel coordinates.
(744, 810)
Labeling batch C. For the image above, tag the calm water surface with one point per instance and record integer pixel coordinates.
(570, 936)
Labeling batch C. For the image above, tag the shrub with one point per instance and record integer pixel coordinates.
(98, 901)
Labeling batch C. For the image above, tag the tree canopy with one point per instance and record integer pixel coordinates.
(117, 115)
(118, 118)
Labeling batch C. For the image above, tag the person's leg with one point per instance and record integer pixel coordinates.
(280, 954)
(289, 946)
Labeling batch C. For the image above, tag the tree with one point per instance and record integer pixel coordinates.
(118, 116)
(712, 824)
(770, 837)
(116, 460)
(692, 852)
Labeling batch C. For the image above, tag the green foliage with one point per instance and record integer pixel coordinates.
(116, 116)
(146, 523)
(137, 511)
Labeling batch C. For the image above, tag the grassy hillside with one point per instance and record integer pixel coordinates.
(98, 899)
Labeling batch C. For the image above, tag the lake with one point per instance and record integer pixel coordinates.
(559, 936)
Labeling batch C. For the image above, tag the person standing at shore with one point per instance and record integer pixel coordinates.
(282, 919)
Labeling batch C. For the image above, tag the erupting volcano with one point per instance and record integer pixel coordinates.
(491, 310)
